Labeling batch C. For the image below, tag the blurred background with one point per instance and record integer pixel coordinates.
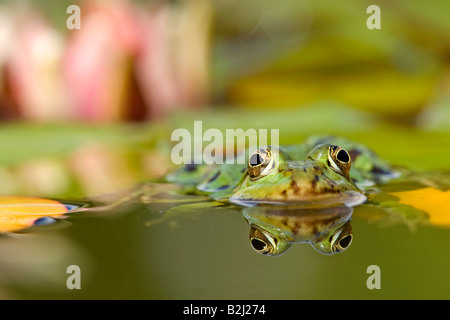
(90, 110)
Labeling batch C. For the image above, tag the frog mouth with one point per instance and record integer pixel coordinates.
(347, 198)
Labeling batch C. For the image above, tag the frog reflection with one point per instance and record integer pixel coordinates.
(273, 229)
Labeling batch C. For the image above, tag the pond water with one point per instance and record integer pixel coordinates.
(137, 252)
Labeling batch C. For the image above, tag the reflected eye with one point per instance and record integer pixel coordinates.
(342, 244)
(345, 242)
(342, 239)
(262, 242)
(259, 245)
(339, 160)
(260, 163)
(266, 243)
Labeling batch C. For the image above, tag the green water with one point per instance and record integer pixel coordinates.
(205, 253)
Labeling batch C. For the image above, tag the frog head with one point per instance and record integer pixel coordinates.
(272, 176)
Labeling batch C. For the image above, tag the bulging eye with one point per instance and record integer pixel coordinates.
(266, 243)
(256, 159)
(260, 163)
(345, 242)
(342, 239)
(343, 156)
(339, 160)
(261, 241)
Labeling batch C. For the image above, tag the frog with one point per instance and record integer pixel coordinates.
(318, 168)
(314, 184)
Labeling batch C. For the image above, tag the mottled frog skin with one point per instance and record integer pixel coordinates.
(272, 176)
(321, 167)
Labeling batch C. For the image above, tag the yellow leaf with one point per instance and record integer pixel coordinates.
(433, 201)
(21, 212)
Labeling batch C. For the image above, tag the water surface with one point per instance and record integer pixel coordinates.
(135, 252)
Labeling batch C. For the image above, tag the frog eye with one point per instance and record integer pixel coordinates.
(267, 244)
(260, 163)
(342, 239)
(345, 242)
(262, 242)
(339, 160)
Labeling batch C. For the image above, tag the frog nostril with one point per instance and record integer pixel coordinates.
(258, 245)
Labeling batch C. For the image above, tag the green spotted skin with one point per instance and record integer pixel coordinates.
(301, 172)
